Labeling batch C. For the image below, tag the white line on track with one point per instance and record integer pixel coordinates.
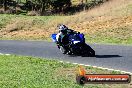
(1, 53)
(99, 67)
(87, 65)
(7, 54)
(4, 54)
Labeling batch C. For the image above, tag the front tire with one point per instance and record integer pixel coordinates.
(63, 50)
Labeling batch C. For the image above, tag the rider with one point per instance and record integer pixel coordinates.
(63, 31)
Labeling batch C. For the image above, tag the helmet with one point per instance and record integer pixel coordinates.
(62, 27)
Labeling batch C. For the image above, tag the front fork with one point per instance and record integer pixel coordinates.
(58, 46)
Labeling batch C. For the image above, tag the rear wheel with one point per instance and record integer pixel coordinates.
(88, 51)
(92, 53)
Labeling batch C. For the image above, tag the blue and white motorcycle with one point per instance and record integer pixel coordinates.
(75, 45)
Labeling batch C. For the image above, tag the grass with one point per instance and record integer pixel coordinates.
(29, 72)
(110, 22)
(29, 27)
(121, 35)
(4, 19)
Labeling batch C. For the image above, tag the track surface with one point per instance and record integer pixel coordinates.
(108, 56)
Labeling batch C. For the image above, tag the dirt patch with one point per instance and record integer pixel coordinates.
(36, 34)
(99, 24)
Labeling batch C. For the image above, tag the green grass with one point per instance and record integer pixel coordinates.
(121, 35)
(108, 40)
(29, 72)
(4, 19)
(43, 25)
(30, 21)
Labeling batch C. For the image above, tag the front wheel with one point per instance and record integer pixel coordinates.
(63, 50)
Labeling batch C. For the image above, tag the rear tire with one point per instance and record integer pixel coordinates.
(89, 51)
(92, 53)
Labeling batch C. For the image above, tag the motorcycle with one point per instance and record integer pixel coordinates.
(75, 45)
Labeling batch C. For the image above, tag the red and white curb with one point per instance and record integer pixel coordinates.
(99, 67)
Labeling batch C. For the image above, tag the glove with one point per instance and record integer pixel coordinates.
(58, 43)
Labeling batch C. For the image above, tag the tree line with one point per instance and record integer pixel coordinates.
(36, 5)
(54, 6)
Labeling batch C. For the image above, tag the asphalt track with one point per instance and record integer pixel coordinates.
(108, 56)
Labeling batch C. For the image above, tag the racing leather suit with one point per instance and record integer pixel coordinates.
(61, 37)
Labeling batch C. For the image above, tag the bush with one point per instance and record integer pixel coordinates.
(33, 13)
(92, 3)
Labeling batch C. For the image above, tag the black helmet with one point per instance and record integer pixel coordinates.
(62, 27)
